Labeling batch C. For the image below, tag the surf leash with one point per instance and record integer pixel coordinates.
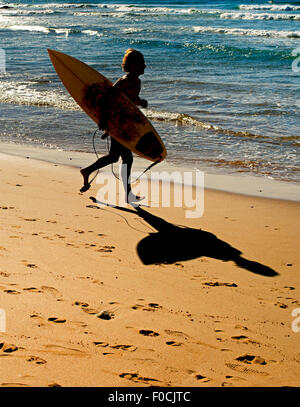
(94, 147)
(112, 166)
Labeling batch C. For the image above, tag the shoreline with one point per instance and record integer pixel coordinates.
(249, 185)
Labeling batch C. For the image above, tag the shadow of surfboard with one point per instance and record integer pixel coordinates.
(172, 244)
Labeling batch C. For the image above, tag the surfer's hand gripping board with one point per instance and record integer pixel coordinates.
(110, 109)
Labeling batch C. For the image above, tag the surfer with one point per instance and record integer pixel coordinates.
(134, 65)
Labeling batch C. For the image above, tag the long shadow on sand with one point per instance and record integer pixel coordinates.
(172, 243)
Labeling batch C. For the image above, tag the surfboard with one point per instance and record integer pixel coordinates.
(125, 123)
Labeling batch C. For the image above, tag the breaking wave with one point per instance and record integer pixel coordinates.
(247, 32)
(259, 16)
(272, 7)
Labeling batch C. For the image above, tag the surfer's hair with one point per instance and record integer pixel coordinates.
(130, 58)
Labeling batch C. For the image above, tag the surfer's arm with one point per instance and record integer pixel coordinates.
(130, 88)
(143, 103)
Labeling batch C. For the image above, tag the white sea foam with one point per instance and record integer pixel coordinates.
(260, 16)
(37, 28)
(92, 33)
(125, 9)
(49, 30)
(25, 94)
(133, 30)
(21, 12)
(59, 5)
(247, 32)
(272, 7)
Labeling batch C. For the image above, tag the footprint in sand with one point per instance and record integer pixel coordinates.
(41, 321)
(173, 343)
(60, 236)
(9, 291)
(147, 332)
(135, 377)
(7, 348)
(85, 307)
(106, 315)
(232, 381)
(63, 350)
(87, 245)
(51, 290)
(177, 333)
(247, 358)
(239, 337)
(150, 307)
(218, 284)
(106, 249)
(36, 360)
(57, 320)
(241, 327)
(154, 305)
(247, 370)
(130, 348)
(31, 265)
(32, 290)
(280, 305)
(101, 344)
(81, 304)
(202, 378)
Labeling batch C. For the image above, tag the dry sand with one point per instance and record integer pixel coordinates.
(212, 306)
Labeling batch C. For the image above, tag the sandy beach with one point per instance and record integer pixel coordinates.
(101, 296)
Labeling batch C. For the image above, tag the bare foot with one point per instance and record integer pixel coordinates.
(131, 198)
(86, 184)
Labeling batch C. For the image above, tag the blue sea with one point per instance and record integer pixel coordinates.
(222, 77)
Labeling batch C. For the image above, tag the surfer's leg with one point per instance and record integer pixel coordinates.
(127, 161)
(126, 173)
(111, 158)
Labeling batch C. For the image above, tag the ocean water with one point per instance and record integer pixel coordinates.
(222, 77)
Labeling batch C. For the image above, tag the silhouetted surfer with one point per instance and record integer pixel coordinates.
(130, 84)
